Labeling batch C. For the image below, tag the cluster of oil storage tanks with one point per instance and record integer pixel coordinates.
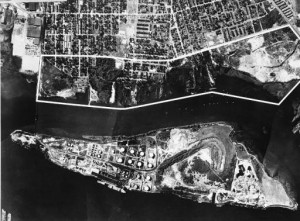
(142, 182)
(137, 156)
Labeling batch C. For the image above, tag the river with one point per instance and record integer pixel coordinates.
(35, 189)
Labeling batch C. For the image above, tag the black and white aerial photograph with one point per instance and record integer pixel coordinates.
(150, 110)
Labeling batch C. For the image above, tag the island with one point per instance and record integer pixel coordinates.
(201, 162)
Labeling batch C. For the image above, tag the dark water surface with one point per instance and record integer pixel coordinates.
(35, 189)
